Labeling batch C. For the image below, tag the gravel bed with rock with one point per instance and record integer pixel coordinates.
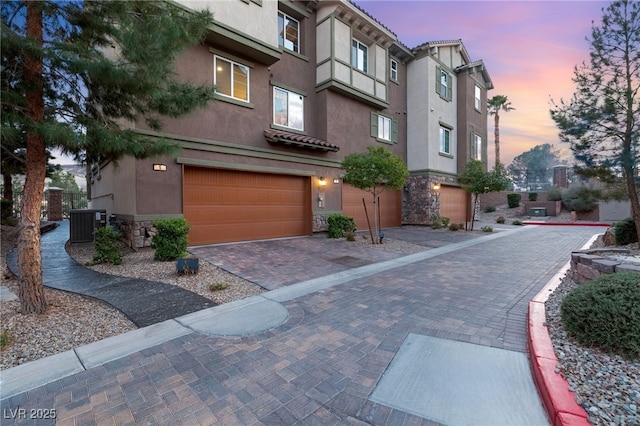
(606, 386)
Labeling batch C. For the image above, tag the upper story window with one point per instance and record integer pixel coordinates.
(383, 128)
(445, 140)
(394, 70)
(444, 84)
(478, 103)
(359, 55)
(231, 78)
(476, 147)
(288, 109)
(288, 32)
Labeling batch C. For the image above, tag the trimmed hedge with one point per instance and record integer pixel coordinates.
(170, 242)
(625, 232)
(340, 225)
(513, 200)
(605, 312)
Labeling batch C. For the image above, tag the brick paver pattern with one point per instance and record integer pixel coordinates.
(321, 365)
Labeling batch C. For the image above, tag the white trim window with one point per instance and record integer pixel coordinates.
(445, 140)
(288, 109)
(383, 128)
(444, 84)
(393, 74)
(476, 147)
(231, 79)
(478, 94)
(359, 53)
(288, 32)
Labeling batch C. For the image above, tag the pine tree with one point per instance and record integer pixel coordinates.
(75, 72)
(602, 119)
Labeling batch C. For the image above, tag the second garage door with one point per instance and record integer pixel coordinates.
(390, 206)
(228, 205)
(453, 203)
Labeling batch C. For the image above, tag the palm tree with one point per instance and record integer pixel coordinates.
(495, 105)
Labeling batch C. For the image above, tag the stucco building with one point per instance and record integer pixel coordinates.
(300, 85)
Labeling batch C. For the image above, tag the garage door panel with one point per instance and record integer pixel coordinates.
(453, 203)
(390, 207)
(225, 205)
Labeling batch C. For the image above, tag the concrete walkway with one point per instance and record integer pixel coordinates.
(445, 326)
(143, 302)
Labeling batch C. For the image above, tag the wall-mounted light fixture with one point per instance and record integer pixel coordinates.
(436, 186)
(322, 181)
(336, 181)
(159, 167)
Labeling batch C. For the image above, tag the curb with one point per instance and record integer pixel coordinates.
(558, 400)
(540, 222)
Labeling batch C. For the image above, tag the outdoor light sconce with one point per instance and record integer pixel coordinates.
(436, 186)
(322, 181)
(159, 167)
(336, 181)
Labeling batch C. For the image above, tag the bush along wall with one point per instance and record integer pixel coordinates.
(170, 241)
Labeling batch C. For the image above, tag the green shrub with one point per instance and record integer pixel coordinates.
(513, 200)
(533, 196)
(553, 194)
(438, 222)
(454, 227)
(107, 247)
(489, 209)
(517, 222)
(605, 312)
(5, 339)
(625, 232)
(580, 198)
(170, 241)
(340, 225)
(500, 219)
(486, 229)
(217, 286)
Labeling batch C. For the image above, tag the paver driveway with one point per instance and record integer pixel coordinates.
(322, 365)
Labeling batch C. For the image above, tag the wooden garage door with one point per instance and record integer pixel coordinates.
(390, 207)
(453, 203)
(228, 205)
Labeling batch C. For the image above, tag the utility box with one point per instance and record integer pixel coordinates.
(82, 224)
(538, 211)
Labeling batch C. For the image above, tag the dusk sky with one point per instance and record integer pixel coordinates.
(530, 49)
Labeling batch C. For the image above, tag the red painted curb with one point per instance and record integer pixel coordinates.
(533, 222)
(559, 401)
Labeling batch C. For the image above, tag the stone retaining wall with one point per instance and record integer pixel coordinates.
(589, 264)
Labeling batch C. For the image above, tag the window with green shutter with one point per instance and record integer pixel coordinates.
(383, 128)
(444, 84)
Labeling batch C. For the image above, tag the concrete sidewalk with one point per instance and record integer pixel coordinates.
(143, 302)
(329, 350)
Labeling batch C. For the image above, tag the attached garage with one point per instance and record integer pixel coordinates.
(229, 205)
(390, 207)
(453, 203)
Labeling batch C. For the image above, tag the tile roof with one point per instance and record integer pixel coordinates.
(287, 138)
